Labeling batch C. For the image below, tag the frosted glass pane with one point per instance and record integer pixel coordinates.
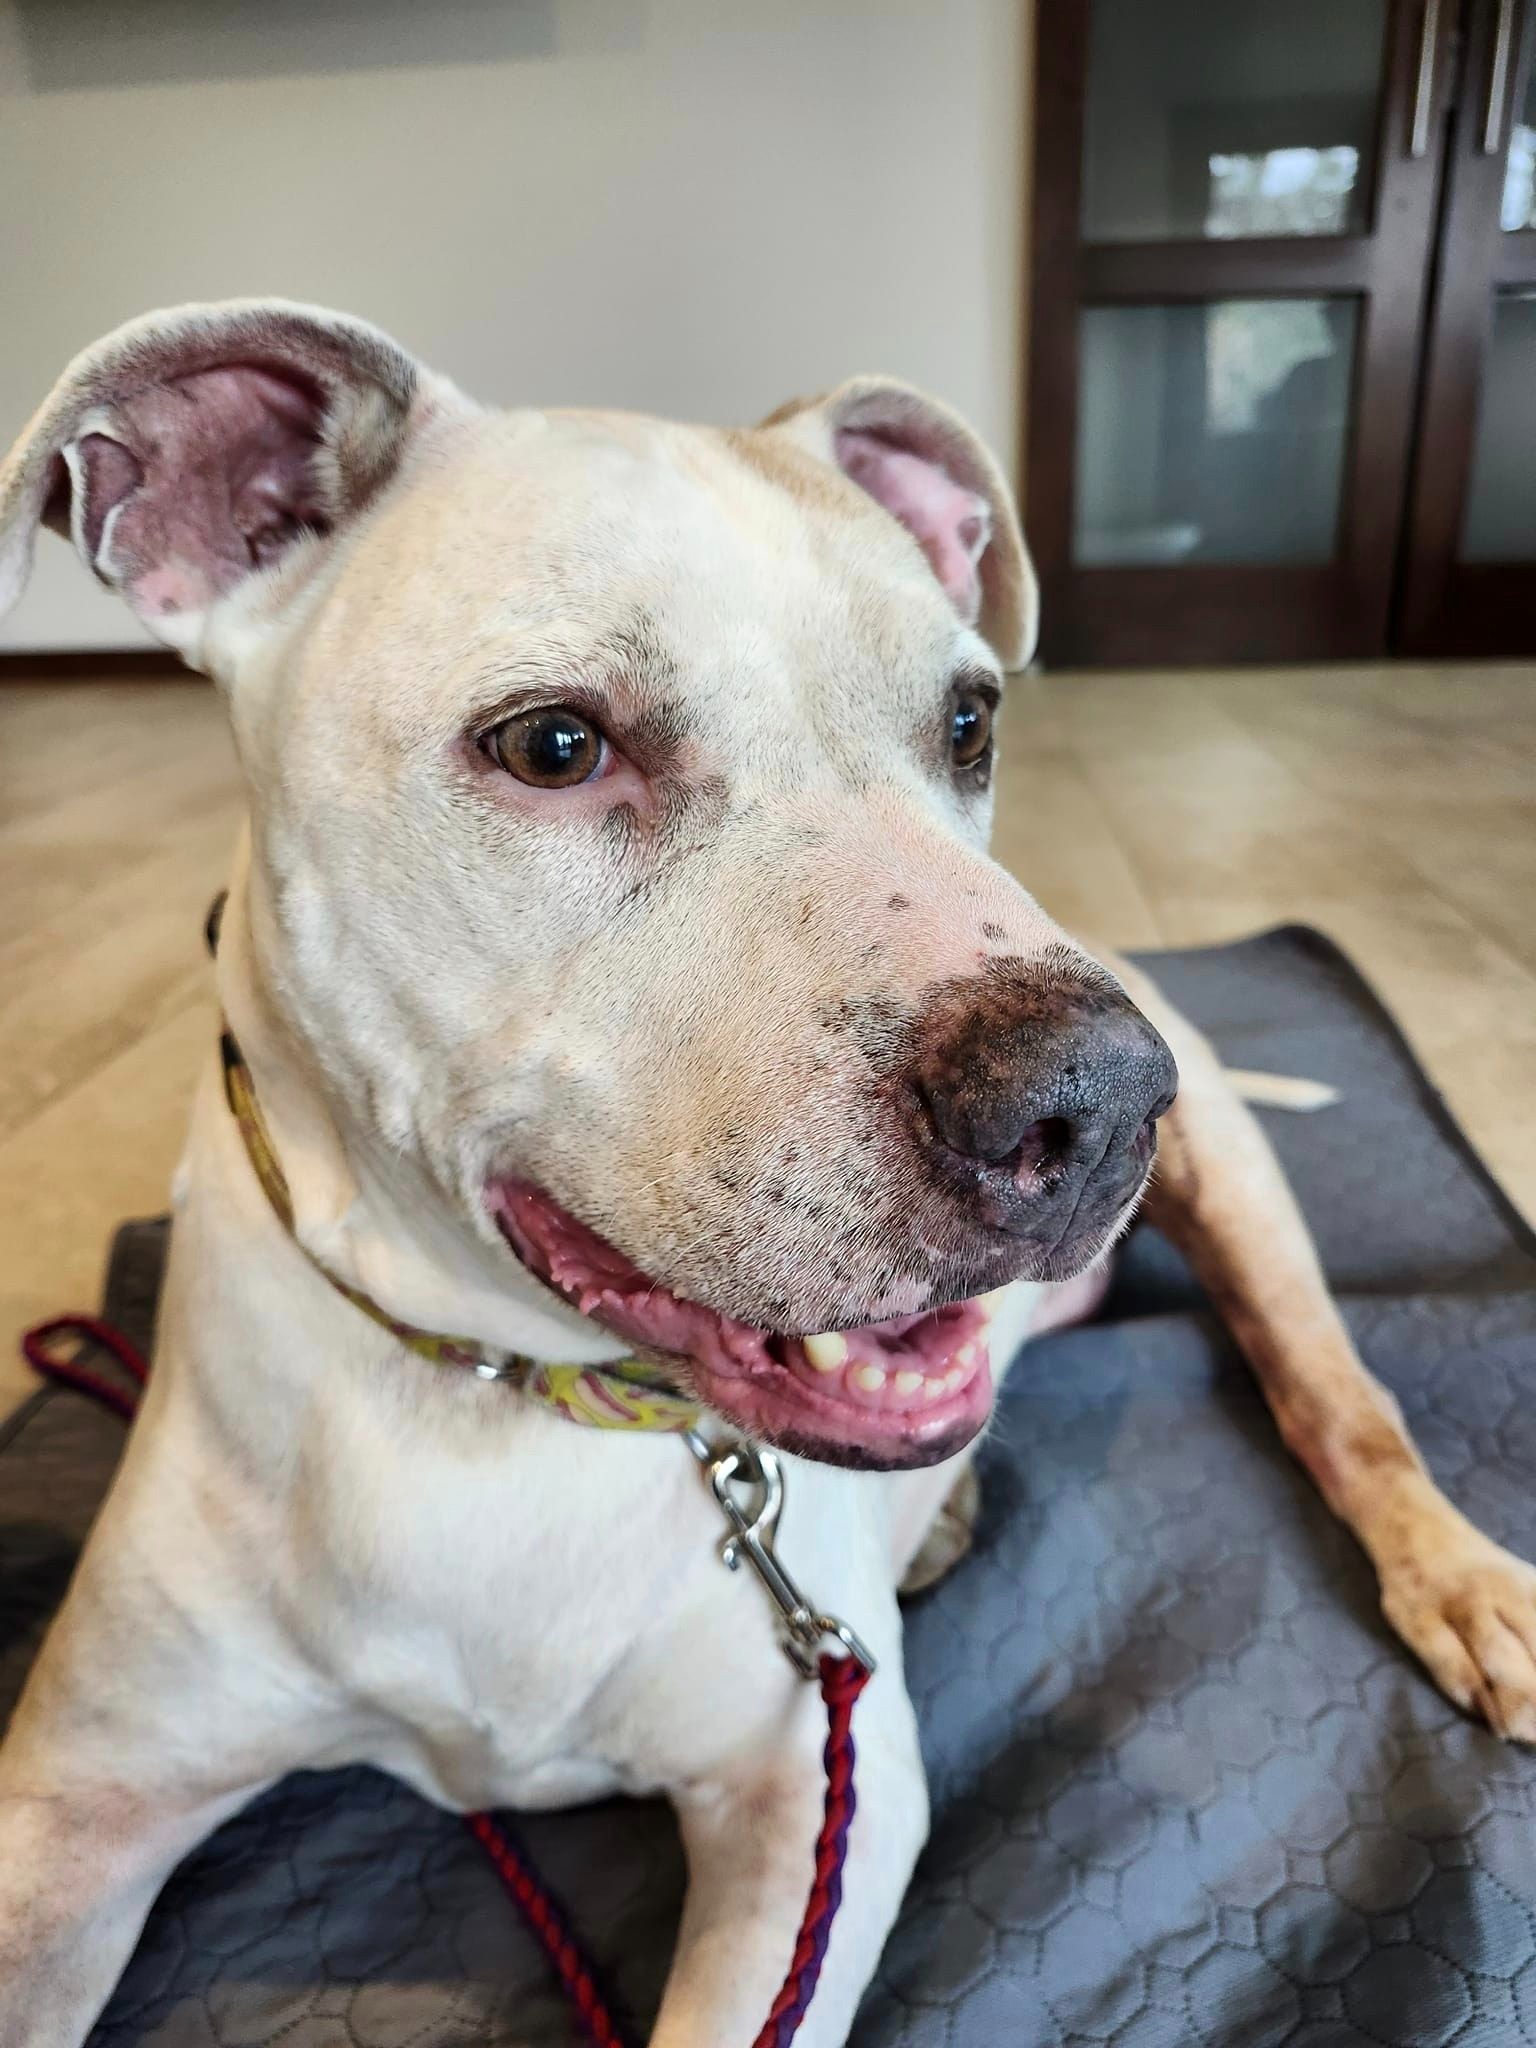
(1501, 504)
(1231, 120)
(1212, 433)
(1518, 210)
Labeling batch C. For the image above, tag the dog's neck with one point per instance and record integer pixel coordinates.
(370, 1216)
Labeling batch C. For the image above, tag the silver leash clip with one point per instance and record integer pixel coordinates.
(735, 1466)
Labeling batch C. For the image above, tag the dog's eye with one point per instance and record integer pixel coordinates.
(552, 747)
(970, 731)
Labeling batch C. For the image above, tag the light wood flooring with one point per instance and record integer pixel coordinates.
(1393, 807)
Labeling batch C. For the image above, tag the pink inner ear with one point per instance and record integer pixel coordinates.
(951, 524)
(189, 486)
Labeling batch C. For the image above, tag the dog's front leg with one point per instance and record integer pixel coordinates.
(161, 1702)
(82, 1857)
(135, 1738)
(749, 1830)
(1464, 1605)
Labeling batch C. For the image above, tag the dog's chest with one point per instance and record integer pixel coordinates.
(535, 1632)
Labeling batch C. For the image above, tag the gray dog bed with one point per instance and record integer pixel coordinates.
(1187, 1786)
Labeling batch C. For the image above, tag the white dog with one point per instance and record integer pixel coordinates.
(616, 970)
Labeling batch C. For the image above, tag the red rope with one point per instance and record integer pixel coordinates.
(37, 1348)
(544, 1921)
(842, 1680)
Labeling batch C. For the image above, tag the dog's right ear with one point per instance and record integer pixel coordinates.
(194, 450)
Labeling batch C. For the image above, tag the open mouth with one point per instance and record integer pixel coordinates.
(905, 1392)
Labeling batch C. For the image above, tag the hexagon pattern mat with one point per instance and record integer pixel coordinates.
(1187, 1787)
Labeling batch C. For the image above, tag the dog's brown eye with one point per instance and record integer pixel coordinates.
(552, 748)
(970, 732)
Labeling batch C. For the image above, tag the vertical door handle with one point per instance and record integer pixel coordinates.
(1498, 79)
(1424, 85)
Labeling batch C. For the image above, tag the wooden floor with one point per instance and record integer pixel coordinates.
(1395, 808)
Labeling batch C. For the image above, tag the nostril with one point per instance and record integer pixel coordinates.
(1042, 1147)
(976, 1120)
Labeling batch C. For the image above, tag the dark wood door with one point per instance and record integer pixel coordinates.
(1234, 217)
(1468, 579)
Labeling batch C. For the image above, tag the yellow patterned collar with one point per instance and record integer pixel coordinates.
(620, 1396)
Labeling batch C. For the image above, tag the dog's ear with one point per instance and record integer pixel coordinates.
(195, 449)
(925, 466)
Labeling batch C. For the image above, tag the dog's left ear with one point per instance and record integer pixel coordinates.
(926, 467)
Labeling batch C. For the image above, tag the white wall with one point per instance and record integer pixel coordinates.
(693, 206)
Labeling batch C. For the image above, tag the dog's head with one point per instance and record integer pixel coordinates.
(620, 799)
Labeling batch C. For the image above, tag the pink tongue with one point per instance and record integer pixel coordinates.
(925, 1343)
(604, 1284)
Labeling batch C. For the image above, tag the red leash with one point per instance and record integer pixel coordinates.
(35, 1348)
(842, 1680)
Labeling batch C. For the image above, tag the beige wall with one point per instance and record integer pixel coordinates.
(693, 206)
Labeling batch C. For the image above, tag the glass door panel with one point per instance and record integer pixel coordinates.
(1501, 497)
(1212, 433)
(1517, 208)
(1248, 118)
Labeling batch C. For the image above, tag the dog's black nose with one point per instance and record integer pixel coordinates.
(1040, 1099)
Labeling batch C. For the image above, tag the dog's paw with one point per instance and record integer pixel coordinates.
(1468, 1610)
(953, 1532)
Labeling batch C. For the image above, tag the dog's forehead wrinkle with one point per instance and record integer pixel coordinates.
(539, 641)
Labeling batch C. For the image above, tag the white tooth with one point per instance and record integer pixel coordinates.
(966, 1355)
(907, 1383)
(955, 1378)
(828, 1353)
(870, 1377)
(933, 1389)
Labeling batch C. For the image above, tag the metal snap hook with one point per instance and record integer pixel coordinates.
(736, 1463)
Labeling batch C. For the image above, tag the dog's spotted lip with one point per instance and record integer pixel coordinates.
(902, 1392)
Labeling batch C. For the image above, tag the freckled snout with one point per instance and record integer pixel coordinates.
(1038, 1103)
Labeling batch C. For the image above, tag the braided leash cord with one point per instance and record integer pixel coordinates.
(842, 1680)
(545, 1922)
(37, 1348)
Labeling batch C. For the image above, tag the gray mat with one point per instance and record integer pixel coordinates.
(1187, 1788)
